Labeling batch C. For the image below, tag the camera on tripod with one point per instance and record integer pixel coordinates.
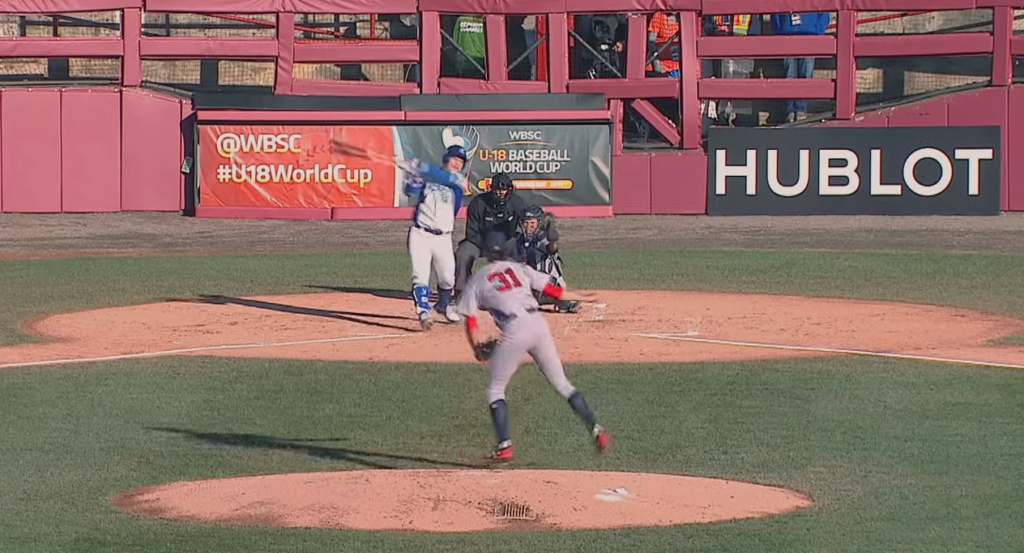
(603, 29)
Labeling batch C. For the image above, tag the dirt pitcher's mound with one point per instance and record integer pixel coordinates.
(461, 500)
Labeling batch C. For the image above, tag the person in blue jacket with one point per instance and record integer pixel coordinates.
(799, 68)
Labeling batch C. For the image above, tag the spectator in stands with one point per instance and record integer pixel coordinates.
(799, 68)
(404, 27)
(724, 113)
(469, 36)
(533, 37)
(515, 38)
(663, 28)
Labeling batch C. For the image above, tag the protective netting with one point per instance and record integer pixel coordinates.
(321, 26)
(101, 70)
(923, 22)
(524, 38)
(210, 75)
(638, 133)
(369, 72)
(85, 24)
(254, 25)
(340, 27)
(463, 46)
(597, 46)
(593, 50)
(881, 80)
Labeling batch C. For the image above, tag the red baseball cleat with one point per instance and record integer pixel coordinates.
(502, 454)
(601, 439)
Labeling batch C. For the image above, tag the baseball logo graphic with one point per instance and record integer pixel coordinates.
(469, 138)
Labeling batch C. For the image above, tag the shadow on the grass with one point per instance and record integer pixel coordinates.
(369, 459)
(349, 316)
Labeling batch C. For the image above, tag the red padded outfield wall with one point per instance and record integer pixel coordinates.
(90, 150)
(57, 149)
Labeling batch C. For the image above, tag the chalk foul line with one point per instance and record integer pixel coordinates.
(167, 352)
(889, 355)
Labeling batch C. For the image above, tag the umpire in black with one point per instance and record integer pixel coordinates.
(499, 209)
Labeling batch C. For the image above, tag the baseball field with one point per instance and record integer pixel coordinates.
(812, 384)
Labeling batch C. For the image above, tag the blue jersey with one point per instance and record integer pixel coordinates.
(440, 195)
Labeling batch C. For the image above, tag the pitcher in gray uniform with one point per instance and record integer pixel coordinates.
(504, 288)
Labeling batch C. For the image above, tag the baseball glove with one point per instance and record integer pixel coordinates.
(484, 350)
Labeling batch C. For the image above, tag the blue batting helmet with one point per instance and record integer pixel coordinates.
(454, 151)
(495, 245)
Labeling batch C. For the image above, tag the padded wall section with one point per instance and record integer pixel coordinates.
(30, 124)
(679, 183)
(631, 184)
(932, 114)
(150, 152)
(1014, 154)
(1, 154)
(985, 107)
(91, 150)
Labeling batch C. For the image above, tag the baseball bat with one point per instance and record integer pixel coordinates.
(344, 148)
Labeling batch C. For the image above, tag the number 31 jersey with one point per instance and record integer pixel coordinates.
(504, 289)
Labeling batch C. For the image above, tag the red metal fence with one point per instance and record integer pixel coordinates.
(284, 43)
(285, 51)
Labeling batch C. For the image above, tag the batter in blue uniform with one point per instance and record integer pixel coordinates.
(439, 196)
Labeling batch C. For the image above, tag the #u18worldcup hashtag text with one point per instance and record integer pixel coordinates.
(242, 173)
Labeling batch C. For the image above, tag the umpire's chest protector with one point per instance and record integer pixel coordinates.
(501, 218)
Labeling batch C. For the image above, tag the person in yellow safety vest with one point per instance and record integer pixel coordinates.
(734, 25)
(723, 112)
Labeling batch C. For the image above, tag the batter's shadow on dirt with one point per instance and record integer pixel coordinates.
(309, 447)
(350, 316)
(376, 292)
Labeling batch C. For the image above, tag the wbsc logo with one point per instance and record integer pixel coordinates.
(840, 171)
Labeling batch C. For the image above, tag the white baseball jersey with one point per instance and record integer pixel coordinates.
(504, 289)
(440, 195)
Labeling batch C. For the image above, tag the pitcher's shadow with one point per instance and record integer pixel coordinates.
(370, 459)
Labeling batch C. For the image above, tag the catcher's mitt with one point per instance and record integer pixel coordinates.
(484, 350)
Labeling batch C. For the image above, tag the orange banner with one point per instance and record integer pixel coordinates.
(293, 166)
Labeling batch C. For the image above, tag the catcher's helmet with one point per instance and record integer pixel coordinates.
(454, 151)
(495, 245)
(533, 212)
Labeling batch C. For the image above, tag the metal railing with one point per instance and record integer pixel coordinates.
(981, 51)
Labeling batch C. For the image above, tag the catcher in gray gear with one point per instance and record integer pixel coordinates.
(537, 246)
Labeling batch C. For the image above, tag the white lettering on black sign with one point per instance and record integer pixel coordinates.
(839, 172)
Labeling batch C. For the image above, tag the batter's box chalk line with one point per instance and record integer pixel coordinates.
(169, 352)
(890, 355)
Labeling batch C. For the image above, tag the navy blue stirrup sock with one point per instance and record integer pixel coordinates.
(499, 416)
(444, 298)
(579, 405)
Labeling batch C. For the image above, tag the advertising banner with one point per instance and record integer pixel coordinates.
(294, 166)
(851, 171)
